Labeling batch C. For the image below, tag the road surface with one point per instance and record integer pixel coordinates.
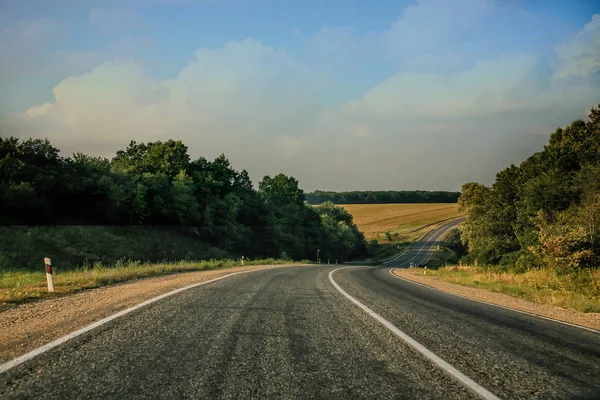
(291, 333)
(420, 252)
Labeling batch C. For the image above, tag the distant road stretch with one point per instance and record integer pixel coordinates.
(316, 332)
(420, 252)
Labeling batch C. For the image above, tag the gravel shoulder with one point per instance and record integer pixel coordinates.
(589, 320)
(28, 326)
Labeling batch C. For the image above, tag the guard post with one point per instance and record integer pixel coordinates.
(49, 279)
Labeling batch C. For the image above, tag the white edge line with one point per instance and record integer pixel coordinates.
(446, 367)
(28, 356)
(495, 305)
(447, 227)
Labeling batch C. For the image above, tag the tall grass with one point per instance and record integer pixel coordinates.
(578, 290)
(18, 286)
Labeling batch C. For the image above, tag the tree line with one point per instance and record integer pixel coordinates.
(159, 184)
(382, 197)
(545, 213)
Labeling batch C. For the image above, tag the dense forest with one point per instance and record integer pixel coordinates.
(158, 185)
(543, 213)
(382, 197)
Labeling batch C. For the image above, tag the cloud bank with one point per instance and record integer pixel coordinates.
(442, 118)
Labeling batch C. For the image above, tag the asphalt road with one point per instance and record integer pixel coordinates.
(289, 333)
(420, 252)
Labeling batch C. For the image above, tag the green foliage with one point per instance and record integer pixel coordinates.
(544, 213)
(158, 185)
(382, 197)
(342, 239)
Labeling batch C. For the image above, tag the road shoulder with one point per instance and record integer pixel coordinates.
(589, 320)
(31, 325)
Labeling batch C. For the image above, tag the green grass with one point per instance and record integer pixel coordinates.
(19, 286)
(578, 291)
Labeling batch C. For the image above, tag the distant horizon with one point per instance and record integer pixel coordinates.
(384, 190)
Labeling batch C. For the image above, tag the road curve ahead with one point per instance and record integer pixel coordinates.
(289, 333)
(420, 252)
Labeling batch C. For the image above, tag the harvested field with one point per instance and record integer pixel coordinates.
(404, 222)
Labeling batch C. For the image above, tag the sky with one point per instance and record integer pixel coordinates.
(340, 94)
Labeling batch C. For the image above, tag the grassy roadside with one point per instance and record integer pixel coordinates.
(20, 286)
(578, 291)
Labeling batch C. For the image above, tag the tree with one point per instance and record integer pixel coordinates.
(544, 212)
(167, 158)
(280, 190)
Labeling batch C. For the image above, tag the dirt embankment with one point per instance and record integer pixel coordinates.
(589, 320)
(31, 325)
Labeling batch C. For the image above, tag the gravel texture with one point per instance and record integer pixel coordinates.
(590, 320)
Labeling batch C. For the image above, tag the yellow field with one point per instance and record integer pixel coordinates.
(403, 221)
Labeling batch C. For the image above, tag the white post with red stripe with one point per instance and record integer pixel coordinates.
(49, 279)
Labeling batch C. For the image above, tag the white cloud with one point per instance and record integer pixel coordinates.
(243, 91)
(431, 24)
(581, 54)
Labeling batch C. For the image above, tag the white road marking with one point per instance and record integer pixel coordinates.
(410, 247)
(495, 305)
(28, 356)
(443, 230)
(446, 367)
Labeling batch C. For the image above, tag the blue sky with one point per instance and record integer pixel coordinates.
(344, 95)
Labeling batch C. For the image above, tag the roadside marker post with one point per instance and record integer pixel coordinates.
(49, 279)
(242, 260)
(425, 271)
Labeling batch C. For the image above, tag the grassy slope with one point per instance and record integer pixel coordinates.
(578, 291)
(73, 246)
(405, 220)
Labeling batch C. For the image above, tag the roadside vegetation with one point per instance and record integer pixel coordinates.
(535, 233)
(579, 290)
(152, 202)
(21, 286)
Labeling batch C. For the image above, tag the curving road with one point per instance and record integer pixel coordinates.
(420, 252)
(290, 333)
